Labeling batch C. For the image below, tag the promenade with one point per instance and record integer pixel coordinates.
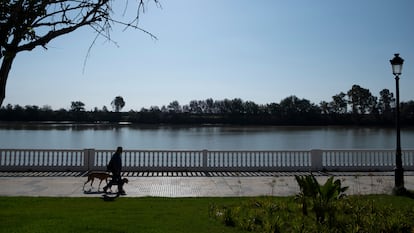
(192, 184)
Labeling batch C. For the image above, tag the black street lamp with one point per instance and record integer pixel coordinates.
(397, 63)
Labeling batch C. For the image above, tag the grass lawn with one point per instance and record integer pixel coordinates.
(41, 214)
(150, 214)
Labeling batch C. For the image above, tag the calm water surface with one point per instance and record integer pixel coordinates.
(73, 136)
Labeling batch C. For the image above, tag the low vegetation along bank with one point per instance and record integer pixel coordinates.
(378, 213)
(357, 106)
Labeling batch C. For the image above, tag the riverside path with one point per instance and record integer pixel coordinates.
(192, 184)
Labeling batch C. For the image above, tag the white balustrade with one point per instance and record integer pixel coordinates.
(42, 160)
(204, 160)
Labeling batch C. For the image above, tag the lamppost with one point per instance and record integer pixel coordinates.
(396, 64)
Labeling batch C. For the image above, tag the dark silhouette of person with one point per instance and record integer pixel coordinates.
(115, 167)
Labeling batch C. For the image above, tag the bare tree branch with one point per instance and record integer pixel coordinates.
(27, 24)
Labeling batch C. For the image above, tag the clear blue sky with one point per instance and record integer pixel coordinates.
(262, 51)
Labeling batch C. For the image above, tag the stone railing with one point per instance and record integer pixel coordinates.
(204, 160)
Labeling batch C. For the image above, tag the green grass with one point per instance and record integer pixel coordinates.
(55, 214)
(39, 214)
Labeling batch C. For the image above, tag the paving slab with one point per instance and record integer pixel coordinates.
(193, 186)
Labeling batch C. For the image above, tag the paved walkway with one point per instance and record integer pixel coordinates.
(190, 184)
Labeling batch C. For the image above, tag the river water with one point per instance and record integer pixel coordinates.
(75, 136)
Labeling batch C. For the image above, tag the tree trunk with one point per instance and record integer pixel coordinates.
(4, 73)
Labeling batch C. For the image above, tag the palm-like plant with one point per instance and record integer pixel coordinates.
(309, 189)
(321, 198)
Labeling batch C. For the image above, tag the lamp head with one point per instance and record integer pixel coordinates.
(396, 64)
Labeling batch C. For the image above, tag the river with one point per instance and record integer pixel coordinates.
(165, 137)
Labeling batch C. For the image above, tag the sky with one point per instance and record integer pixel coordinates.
(261, 51)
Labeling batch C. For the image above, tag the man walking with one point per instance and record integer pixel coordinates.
(115, 167)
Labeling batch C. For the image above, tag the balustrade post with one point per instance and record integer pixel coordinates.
(205, 160)
(316, 160)
(85, 159)
(89, 159)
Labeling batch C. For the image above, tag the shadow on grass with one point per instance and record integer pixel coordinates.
(107, 197)
(410, 194)
(404, 193)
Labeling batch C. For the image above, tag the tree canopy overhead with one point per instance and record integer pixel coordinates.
(27, 24)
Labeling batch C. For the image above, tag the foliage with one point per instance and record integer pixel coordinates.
(386, 214)
(339, 103)
(77, 106)
(361, 100)
(386, 101)
(321, 198)
(290, 111)
(118, 103)
(261, 215)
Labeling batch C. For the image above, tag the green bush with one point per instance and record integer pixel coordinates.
(262, 215)
(353, 214)
(320, 198)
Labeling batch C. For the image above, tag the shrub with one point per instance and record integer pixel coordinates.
(322, 208)
(354, 214)
(321, 198)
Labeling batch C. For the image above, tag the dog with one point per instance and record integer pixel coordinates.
(125, 180)
(120, 192)
(97, 175)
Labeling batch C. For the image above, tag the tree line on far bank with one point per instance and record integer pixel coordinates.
(356, 107)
